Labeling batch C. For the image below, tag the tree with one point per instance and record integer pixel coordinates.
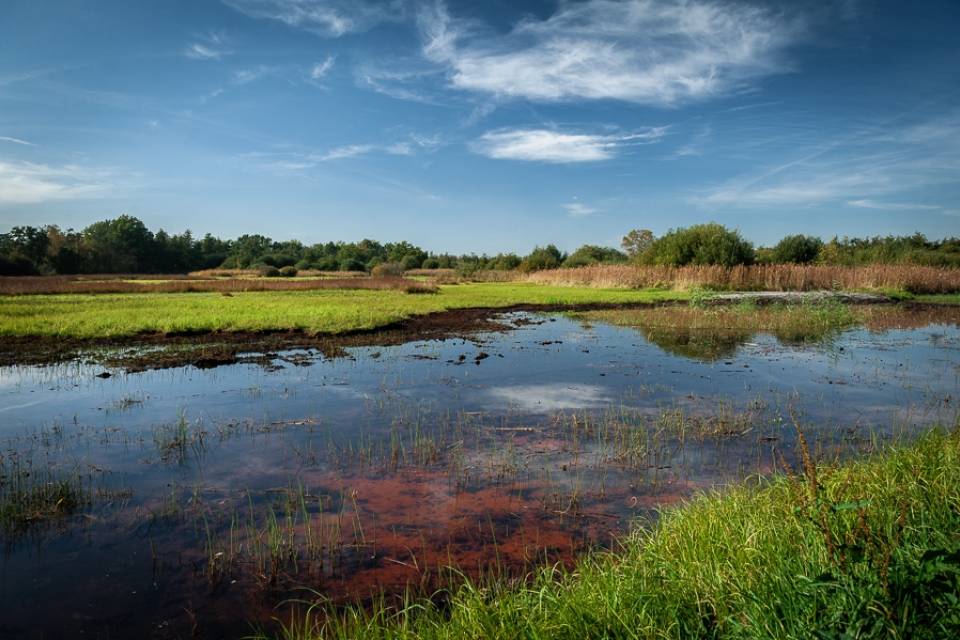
(592, 254)
(798, 249)
(700, 244)
(121, 245)
(637, 241)
(548, 257)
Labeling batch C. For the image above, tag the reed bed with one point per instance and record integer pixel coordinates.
(910, 278)
(33, 285)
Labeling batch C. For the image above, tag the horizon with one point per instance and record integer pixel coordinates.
(482, 129)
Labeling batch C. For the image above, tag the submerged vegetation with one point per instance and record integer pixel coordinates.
(33, 496)
(868, 549)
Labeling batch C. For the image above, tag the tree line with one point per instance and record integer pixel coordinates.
(126, 245)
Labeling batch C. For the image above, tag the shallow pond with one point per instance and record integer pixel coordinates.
(194, 502)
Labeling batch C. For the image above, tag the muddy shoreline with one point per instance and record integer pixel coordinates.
(208, 349)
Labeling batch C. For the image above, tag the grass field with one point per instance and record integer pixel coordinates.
(866, 550)
(320, 311)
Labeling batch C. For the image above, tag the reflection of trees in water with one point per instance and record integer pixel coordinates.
(670, 329)
(696, 344)
(710, 345)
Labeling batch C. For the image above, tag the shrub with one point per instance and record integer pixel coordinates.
(548, 257)
(700, 244)
(288, 272)
(410, 262)
(797, 249)
(351, 264)
(387, 269)
(590, 254)
(268, 271)
(505, 261)
(430, 263)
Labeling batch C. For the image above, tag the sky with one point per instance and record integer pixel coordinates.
(482, 126)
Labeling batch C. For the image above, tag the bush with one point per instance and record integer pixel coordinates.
(548, 257)
(410, 262)
(351, 264)
(16, 265)
(288, 272)
(700, 244)
(431, 263)
(387, 269)
(797, 249)
(268, 271)
(590, 254)
(506, 262)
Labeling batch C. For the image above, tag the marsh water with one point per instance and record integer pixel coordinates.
(202, 501)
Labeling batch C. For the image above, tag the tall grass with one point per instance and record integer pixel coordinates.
(869, 549)
(912, 278)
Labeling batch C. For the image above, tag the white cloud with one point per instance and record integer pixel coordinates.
(29, 183)
(658, 52)
(579, 210)
(331, 18)
(252, 74)
(545, 145)
(16, 141)
(346, 151)
(321, 69)
(545, 398)
(892, 206)
(209, 46)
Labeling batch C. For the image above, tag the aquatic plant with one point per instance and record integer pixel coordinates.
(861, 550)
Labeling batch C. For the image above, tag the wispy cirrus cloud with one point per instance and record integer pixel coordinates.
(656, 52)
(579, 210)
(30, 183)
(322, 68)
(208, 46)
(892, 206)
(329, 18)
(16, 141)
(547, 145)
(864, 169)
(300, 162)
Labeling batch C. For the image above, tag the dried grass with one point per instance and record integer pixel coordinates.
(255, 273)
(915, 279)
(27, 285)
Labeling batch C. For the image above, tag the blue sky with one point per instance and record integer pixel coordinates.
(482, 126)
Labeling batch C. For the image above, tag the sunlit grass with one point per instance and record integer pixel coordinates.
(329, 311)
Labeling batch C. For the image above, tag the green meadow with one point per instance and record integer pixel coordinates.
(320, 312)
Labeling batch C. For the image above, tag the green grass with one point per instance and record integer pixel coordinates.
(324, 311)
(866, 550)
(940, 298)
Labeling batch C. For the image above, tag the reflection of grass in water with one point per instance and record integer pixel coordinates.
(868, 549)
(32, 496)
(712, 333)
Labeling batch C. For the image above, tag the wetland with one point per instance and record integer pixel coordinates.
(194, 501)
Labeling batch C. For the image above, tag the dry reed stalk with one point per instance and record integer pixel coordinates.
(912, 278)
